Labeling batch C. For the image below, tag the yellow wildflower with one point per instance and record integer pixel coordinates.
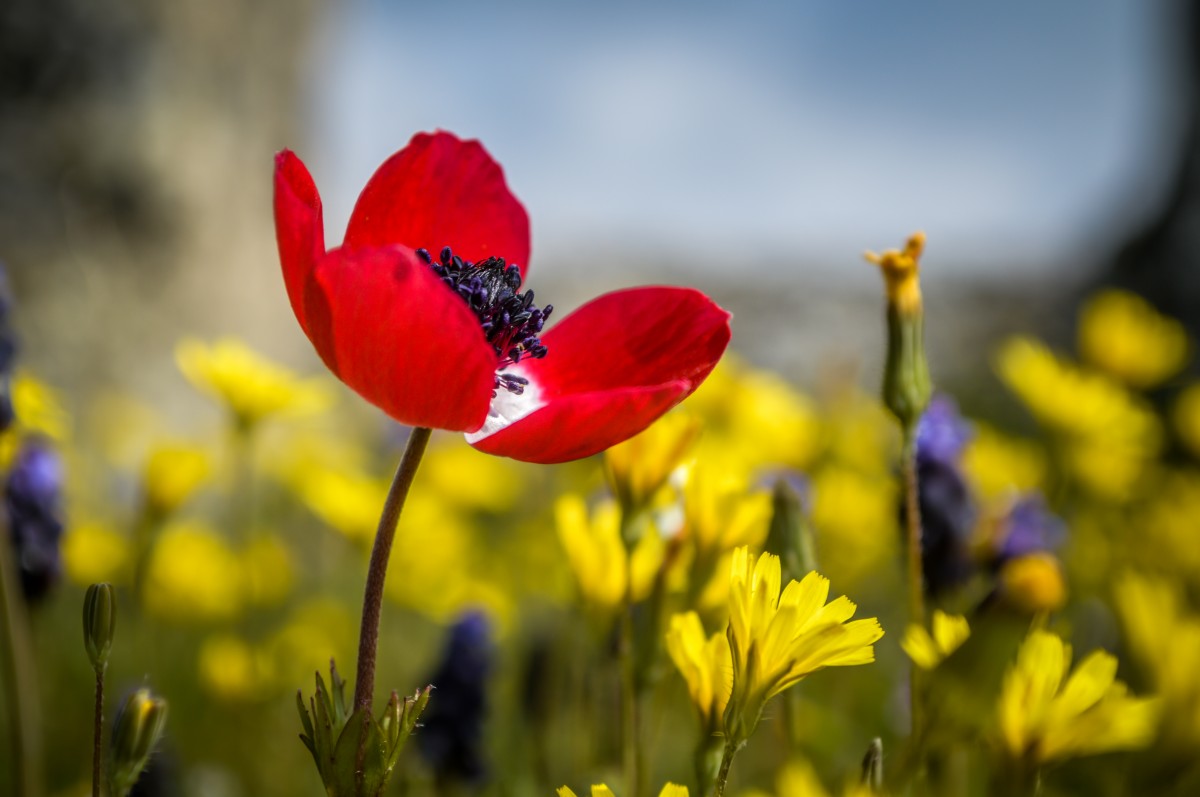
(192, 575)
(1044, 715)
(231, 669)
(998, 465)
(93, 553)
(705, 664)
(39, 408)
(640, 466)
(1034, 583)
(857, 514)
(1110, 434)
(927, 650)
(721, 512)
(798, 779)
(250, 386)
(776, 640)
(597, 555)
(601, 790)
(470, 479)
(901, 269)
(1165, 642)
(1123, 335)
(267, 569)
(1185, 416)
(172, 474)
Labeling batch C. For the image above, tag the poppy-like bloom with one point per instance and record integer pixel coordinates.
(452, 340)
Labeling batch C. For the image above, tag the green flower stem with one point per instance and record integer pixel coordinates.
(731, 748)
(368, 635)
(98, 732)
(916, 577)
(21, 690)
(630, 741)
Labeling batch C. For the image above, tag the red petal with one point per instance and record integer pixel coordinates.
(391, 330)
(440, 191)
(299, 228)
(577, 426)
(613, 367)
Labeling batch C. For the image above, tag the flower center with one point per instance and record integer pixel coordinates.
(508, 316)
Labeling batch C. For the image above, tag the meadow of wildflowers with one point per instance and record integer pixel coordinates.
(605, 554)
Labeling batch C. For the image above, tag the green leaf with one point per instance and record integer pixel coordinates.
(345, 759)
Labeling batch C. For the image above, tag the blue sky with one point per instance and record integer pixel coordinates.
(1019, 131)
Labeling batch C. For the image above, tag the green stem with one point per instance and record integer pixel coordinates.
(368, 634)
(916, 578)
(98, 733)
(381, 551)
(21, 697)
(723, 773)
(631, 752)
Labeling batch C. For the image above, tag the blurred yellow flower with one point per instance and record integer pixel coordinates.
(93, 553)
(1123, 335)
(468, 478)
(928, 650)
(1165, 642)
(998, 465)
(900, 268)
(776, 640)
(433, 561)
(855, 519)
(600, 790)
(754, 418)
(1111, 435)
(267, 569)
(797, 778)
(1034, 583)
(192, 575)
(232, 670)
(172, 473)
(316, 631)
(597, 555)
(347, 501)
(250, 386)
(706, 666)
(639, 467)
(720, 513)
(1185, 416)
(39, 408)
(1044, 715)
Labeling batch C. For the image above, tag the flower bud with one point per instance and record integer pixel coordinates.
(872, 766)
(790, 535)
(99, 622)
(138, 728)
(906, 385)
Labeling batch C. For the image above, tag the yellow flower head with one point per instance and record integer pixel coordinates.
(1034, 583)
(93, 552)
(230, 669)
(639, 467)
(172, 474)
(998, 465)
(250, 386)
(1044, 715)
(776, 640)
(601, 790)
(1121, 334)
(799, 779)
(900, 269)
(706, 666)
(927, 650)
(597, 554)
(193, 575)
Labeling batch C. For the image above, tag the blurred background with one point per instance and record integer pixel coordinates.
(754, 150)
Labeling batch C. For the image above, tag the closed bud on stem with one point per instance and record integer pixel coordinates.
(906, 384)
(139, 726)
(99, 623)
(872, 766)
(790, 536)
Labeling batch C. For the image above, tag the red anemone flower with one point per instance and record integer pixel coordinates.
(450, 340)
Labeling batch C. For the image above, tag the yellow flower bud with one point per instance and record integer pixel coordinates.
(139, 726)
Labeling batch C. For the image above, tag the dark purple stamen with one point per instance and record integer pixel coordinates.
(510, 320)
